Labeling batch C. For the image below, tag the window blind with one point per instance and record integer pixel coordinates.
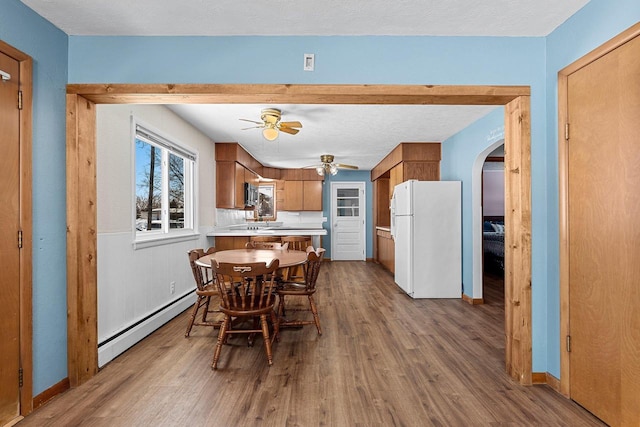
(156, 139)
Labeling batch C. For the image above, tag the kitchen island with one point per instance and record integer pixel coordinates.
(232, 237)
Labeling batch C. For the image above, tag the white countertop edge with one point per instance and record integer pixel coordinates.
(301, 232)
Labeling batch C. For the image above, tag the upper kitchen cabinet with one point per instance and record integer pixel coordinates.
(410, 160)
(230, 185)
(302, 196)
(232, 173)
(296, 189)
(312, 195)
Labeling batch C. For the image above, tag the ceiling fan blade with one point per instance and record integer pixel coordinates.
(312, 167)
(252, 121)
(252, 127)
(290, 124)
(289, 130)
(341, 166)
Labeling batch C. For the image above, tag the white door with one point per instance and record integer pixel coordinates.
(348, 221)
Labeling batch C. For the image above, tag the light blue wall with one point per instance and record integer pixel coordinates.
(339, 60)
(390, 60)
(459, 153)
(597, 22)
(25, 30)
(348, 176)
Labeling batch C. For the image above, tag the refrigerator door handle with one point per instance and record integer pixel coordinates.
(392, 208)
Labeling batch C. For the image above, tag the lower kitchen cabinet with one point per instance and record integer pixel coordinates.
(386, 249)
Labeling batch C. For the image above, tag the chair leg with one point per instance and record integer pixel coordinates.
(222, 337)
(314, 311)
(265, 336)
(276, 326)
(206, 310)
(194, 312)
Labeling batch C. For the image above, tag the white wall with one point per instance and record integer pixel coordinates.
(493, 189)
(134, 283)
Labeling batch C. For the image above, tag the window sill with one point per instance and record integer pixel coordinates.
(142, 242)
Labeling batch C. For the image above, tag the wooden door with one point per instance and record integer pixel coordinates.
(604, 235)
(9, 250)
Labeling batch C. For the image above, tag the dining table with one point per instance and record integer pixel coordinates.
(287, 258)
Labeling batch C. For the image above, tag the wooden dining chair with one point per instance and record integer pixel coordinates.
(246, 291)
(306, 289)
(266, 245)
(264, 239)
(205, 290)
(296, 243)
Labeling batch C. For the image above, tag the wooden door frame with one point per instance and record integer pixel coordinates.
(82, 191)
(563, 191)
(26, 292)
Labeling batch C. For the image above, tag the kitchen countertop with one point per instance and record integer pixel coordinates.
(266, 231)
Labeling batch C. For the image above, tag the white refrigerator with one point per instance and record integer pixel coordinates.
(426, 227)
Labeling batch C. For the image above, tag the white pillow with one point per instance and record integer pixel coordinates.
(499, 228)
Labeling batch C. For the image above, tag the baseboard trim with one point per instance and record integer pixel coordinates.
(112, 347)
(50, 393)
(546, 378)
(472, 301)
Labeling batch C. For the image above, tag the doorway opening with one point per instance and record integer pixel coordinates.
(82, 221)
(493, 227)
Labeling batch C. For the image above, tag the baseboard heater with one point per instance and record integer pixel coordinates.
(113, 346)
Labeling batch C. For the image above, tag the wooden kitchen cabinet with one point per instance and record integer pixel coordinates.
(386, 249)
(230, 180)
(395, 178)
(224, 243)
(312, 196)
(419, 161)
(229, 185)
(293, 195)
(239, 185)
(302, 196)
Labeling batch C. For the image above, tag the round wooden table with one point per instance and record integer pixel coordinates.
(287, 258)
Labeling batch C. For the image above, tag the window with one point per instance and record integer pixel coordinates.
(266, 202)
(164, 185)
(348, 200)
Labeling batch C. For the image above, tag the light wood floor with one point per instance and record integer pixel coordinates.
(384, 360)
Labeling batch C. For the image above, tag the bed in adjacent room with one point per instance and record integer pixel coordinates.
(493, 242)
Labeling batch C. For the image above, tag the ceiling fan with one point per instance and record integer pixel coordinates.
(271, 124)
(327, 167)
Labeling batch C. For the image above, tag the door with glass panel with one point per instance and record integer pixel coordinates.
(348, 215)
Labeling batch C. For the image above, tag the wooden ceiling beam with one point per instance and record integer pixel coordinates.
(298, 94)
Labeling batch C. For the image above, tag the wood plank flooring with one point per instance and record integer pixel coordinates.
(383, 360)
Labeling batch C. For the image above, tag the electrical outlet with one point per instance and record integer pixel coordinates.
(172, 287)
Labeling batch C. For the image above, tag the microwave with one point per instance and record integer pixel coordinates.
(250, 194)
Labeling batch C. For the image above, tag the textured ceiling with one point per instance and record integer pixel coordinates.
(307, 17)
(358, 135)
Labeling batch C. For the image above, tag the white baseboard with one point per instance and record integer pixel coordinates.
(117, 346)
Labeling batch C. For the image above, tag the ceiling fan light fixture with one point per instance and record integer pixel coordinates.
(333, 169)
(320, 170)
(270, 133)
